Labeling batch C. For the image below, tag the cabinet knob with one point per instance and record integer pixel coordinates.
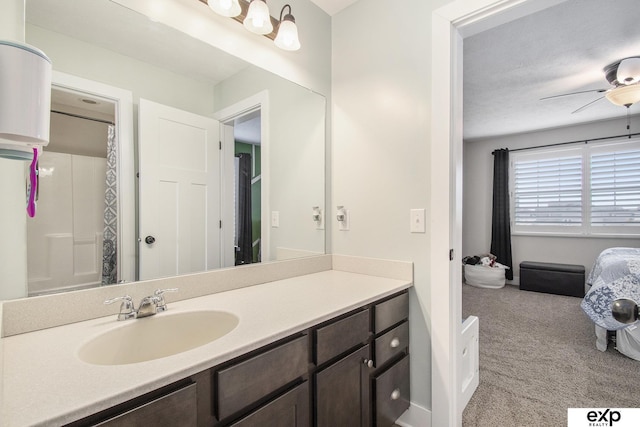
(395, 343)
(368, 363)
(395, 394)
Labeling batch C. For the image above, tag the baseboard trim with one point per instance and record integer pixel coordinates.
(415, 416)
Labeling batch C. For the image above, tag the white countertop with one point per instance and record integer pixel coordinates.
(44, 383)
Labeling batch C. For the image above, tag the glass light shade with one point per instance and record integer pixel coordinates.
(624, 95)
(258, 19)
(230, 8)
(628, 71)
(287, 37)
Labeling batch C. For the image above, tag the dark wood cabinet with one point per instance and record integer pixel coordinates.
(246, 382)
(342, 392)
(391, 391)
(289, 410)
(349, 371)
(389, 381)
(168, 407)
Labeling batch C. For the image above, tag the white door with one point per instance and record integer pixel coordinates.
(179, 212)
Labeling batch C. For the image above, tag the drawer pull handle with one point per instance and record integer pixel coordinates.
(395, 394)
(368, 363)
(395, 343)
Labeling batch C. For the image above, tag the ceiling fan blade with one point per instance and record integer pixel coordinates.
(574, 93)
(587, 105)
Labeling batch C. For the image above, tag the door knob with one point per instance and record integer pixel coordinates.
(149, 240)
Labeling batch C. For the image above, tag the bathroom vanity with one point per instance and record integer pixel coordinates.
(354, 369)
(327, 348)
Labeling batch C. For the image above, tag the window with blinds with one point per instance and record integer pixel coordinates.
(586, 190)
(548, 191)
(615, 188)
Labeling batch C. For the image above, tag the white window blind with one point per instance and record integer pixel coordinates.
(615, 188)
(548, 191)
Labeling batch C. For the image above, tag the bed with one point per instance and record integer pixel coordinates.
(615, 274)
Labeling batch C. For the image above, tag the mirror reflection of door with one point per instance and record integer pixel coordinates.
(248, 184)
(179, 197)
(71, 242)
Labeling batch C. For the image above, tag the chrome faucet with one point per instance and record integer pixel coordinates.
(148, 306)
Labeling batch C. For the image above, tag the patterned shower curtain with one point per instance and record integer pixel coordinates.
(109, 244)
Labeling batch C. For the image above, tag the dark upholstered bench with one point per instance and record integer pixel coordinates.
(551, 278)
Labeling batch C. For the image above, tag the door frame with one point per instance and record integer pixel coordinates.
(259, 101)
(450, 24)
(123, 100)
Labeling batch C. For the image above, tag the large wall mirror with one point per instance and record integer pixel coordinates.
(230, 157)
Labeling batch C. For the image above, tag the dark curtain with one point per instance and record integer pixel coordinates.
(244, 252)
(500, 221)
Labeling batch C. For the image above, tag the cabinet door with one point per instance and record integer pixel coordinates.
(342, 392)
(175, 409)
(289, 410)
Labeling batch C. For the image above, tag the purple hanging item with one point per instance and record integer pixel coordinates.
(33, 187)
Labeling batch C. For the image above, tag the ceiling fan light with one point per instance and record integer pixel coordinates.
(629, 71)
(258, 19)
(624, 95)
(229, 8)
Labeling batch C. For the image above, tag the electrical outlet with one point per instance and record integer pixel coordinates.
(275, 219)
(417, 221)
(343, 219)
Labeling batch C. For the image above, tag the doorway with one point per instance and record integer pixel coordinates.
(245, 129)
(72, 240)
(248, 187)
(450, 24)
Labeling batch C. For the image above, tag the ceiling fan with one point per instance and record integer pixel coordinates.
(624, 76)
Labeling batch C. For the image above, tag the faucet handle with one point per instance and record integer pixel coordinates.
(127, 311)
(161, 305)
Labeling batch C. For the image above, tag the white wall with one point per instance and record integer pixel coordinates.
(296, 144)
(144, 80)
(310, 66)
(477, 194)
(13, 221)
(381, 92)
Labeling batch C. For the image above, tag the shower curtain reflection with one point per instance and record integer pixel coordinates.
(110, 240)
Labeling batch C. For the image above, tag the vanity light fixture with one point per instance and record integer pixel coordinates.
(258, 19)
(287, 37)
(228, 8)
(254, 15)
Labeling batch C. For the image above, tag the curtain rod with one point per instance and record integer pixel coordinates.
(585, 141)
(83, 117)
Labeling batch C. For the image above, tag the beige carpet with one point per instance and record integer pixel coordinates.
(538, 358)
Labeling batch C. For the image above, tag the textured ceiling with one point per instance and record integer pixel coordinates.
(559, 50)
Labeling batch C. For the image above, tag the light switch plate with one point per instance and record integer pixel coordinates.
(275, 219)
(417, 221)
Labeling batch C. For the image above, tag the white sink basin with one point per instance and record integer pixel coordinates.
(157, 336)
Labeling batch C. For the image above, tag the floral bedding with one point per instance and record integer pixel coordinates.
(615, 274)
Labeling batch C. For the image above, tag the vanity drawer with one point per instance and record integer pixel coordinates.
(176, 408)
(392, 393)
(390, 312)
(338, 337)
(392, 343)
(289, 410)
(247, 382)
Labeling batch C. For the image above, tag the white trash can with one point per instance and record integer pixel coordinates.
(484, 277)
